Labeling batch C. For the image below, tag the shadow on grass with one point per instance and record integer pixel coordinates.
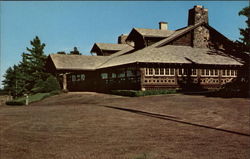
(173, 119)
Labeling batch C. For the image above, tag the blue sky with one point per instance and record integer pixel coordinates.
(61, 25)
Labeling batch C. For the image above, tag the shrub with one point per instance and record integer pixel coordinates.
(14, 102)
(39, 87)
(49, 85)
(134, 93)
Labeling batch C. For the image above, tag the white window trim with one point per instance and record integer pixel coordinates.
(230, 73)
(182, 72)
(192, 72)
(209, 73)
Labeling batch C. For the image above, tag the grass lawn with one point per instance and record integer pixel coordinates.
(99, 126)
(31, 98)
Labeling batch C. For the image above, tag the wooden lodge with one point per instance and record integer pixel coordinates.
(193, 56)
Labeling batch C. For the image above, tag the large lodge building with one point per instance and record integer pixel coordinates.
(193, 56)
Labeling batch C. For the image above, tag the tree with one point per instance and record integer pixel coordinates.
(33, 64)
(14, 82)
(75, 51)
(22, 78)
(245, 33)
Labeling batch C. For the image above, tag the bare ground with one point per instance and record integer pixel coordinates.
(98, 126)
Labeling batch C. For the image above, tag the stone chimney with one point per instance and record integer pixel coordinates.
(201, 35)
(163, 25)
(197, 14)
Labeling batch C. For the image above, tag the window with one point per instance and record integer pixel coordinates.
(185, 71)
(157, 71)
(232, 72)
(194, 72)
(229, 73)
(172, 71)
(180, 71)
(167, 71)
(150, 71)
(104, 75)
(113, 75)
(161, 71)
(82, 77)
(203, 72)
(129, 73)
(77, 77)
(122, 74)
(207, 72)
(73, 78)
(211, 72)
(146, 71)
(223, 72)
(216, 73)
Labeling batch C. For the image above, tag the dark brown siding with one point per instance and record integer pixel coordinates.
(185, 40)
(152, 40)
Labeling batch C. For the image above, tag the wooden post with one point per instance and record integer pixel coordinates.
(26, 99)
(142, 72)
(65, 82)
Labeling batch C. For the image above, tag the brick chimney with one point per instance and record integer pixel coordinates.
(163, 25)
(197, 14)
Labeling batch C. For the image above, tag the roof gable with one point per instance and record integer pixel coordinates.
(108, 47)
(154, 32)
(76, 62)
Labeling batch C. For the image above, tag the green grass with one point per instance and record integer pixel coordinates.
(134, 93)
(32, 98)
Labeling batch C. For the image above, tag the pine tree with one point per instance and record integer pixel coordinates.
(245, 33)
(14, 82)
(22, 78)
(33, 64)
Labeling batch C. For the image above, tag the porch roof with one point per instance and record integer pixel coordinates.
(174, 54)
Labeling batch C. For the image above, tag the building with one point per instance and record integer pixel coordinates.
(195, 56)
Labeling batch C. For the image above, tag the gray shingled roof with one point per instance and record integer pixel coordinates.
(110, 46)
(156, 53)
(173, 54)
(76, 62)
(154, 32)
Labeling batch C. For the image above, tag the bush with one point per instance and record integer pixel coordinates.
(134, 93)
(51, 84)
(39, 87)
(13, 102)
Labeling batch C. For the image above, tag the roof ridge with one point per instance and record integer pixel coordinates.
(181, 32)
